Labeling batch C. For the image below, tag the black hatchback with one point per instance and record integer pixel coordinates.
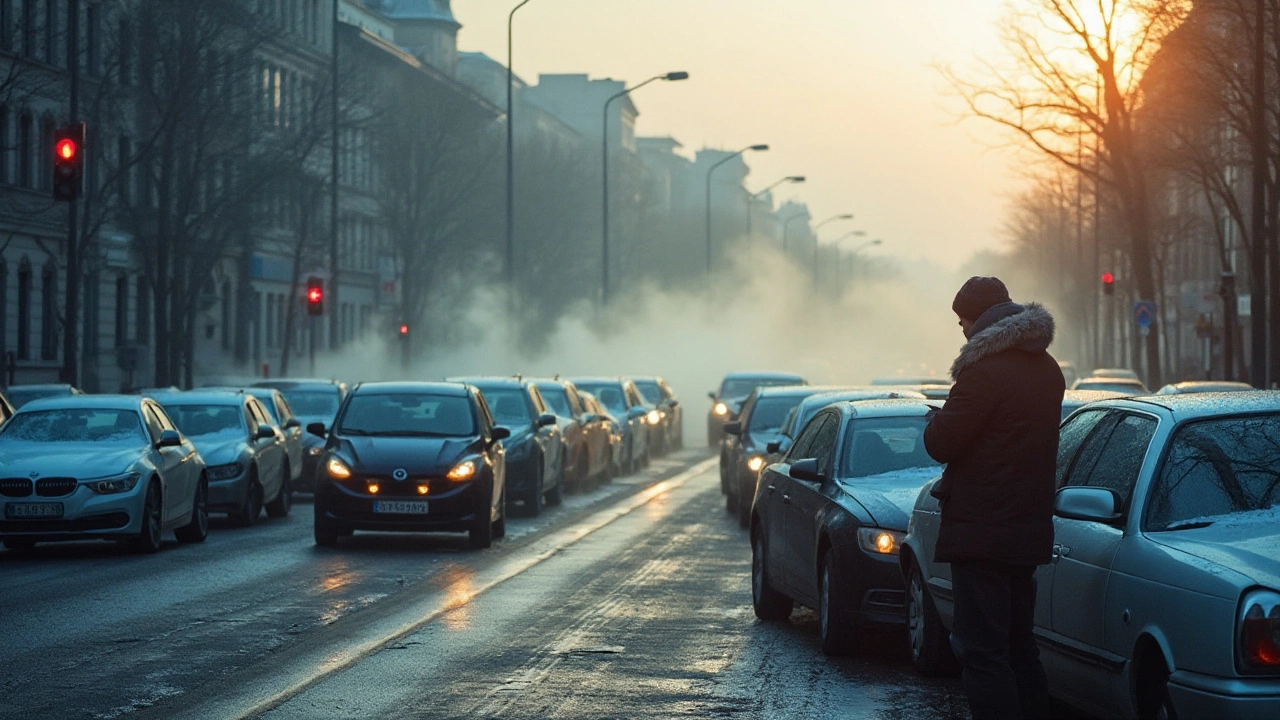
(412, 457)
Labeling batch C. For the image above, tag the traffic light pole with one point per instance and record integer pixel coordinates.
(311, 351)
(70, 337)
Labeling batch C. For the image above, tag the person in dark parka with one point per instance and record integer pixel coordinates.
(998, 435)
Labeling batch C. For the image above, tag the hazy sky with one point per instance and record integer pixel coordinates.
(844, 91)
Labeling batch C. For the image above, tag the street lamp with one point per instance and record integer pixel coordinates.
(751, 201)
(604, 153)
(743, 151)
(786, 229)
(511, 168)
(860, 248)
(816, 228)
(846, 236)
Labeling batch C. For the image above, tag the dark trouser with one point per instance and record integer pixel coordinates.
(992, 636)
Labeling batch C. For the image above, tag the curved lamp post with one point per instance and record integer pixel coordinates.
(846, 236)
(743, 151)
(751, 201)
(604, 153)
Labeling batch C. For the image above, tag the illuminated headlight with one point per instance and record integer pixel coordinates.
(111, 486)
(224, 472)
(315, 451)
(880, 542)
(463, 471)
(755, 463)
(720, 409)
(655, 417)
(337, 469)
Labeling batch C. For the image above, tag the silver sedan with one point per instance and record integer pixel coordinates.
(1163, 598)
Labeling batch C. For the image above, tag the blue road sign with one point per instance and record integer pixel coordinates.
(1144, 313)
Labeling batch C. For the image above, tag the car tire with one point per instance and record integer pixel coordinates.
(198, 529)
(834, 629)
(533, 501)
(481, 533)
(1154, 701)
(769, 604)
(555, 496)
(928, 642)
(251, 505)
(326, 534)
(148, 541)
(279, 507)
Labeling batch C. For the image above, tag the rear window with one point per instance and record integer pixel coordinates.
(769, 413)
(408, 415)
(1217, 470)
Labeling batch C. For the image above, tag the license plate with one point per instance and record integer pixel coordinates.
(401, 507)
(33, 510)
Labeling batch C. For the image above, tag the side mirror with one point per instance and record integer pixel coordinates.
(318, 429)
(711, 395)
(1091, 504)
(500, 433)
(292, 423)
(673, 403)
(773, 447)
(806, 470)
(265, 432)
(733, 428)
(636, 412)
(546, 420)
(169, 438)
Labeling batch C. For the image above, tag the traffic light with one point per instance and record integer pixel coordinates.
(404, 332)
(315, 296)
(68, 162)
(1108, 284)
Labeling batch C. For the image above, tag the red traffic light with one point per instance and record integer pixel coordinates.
(66, 149)
(404, 329)
(315, 295)
(1108, 278)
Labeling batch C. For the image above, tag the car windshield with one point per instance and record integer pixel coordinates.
(650, 390)
(557, 399)
(510, 407)
(75, 426)
(19, 396)
(208, 421)
(769, 413)
(408, 414)
(1217, 468)
(742, 387)
(880, 445)
(312, 403)
(609, 396)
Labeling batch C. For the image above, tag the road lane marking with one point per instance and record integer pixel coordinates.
(312, 665)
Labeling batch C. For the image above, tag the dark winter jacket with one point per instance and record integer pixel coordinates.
(998, 435)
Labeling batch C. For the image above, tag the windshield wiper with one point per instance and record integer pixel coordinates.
(1191, 525)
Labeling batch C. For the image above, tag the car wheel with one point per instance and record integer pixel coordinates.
(834, 628)
(768, 603)
(198, 529)
(500, 527)
(928, 641)
(279, 507)
(555, 495)
(148, 541)
(481, 534)
(251, 505)
(533, 501)
(1154, 701)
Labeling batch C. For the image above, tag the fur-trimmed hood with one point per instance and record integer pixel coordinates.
(1031, 330)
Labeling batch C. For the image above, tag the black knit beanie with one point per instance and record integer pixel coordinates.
(978, 295)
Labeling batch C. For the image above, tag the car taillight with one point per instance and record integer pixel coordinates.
(1260, 631)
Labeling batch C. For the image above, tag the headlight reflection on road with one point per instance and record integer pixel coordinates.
(460, 588)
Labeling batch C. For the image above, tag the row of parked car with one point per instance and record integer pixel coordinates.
(446, 456)
(1163, 598)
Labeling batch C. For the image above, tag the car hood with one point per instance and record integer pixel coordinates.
(417, 455)
(889, 497)
(77, 460)
(1249, 548)
(219, 451)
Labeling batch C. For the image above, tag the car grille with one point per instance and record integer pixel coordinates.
(55, 487)
(15, 487)
(110, 521)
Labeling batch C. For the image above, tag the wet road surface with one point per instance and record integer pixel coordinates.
(632, 601)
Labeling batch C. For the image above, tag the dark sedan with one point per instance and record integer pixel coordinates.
(535, 450)
(804, 412)
(585, 434)
(666, 419)
(312, 401)
(412, 457)
(623, 401)
(726, 402)
(828, 520)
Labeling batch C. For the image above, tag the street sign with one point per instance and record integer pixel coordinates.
(1144, 314)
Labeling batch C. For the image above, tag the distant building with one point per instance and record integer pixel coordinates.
(425, 28)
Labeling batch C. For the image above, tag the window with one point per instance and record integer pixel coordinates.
(25, 151)
(874, 446)
(28, 28)
(802, 450)
(1073, 435)
(142, 325)
(24, 310)
(824, 446)
(1113, 454)
(49, 313)
(50, 32)
(122, 310)
(45, 153)
(5, 137)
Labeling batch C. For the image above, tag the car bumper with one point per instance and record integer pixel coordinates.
(453, 511)
(1195, 695)
(876, 582)
(228, 495)
(85, 515)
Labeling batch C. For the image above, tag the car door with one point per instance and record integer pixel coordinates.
(494, 450)
(292, 430)
(1111, 457)
(190, 466)
(548, 436)
(800, 512)
(270, 451)
(772, 501)
(176, 493)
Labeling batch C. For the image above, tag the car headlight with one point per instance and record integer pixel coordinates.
(315, 451)
(1259, 634)
(111, 486)
(654, 417)
(337, 469)
(224, 472)
(880, 542)
(720, 409)
(463, 471)
(755, 463)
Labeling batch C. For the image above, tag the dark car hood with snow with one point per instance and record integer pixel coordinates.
(415, 455)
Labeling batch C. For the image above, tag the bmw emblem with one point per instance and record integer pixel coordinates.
(400, 474)
(35, 474)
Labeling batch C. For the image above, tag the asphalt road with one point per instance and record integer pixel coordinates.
(631, 601)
